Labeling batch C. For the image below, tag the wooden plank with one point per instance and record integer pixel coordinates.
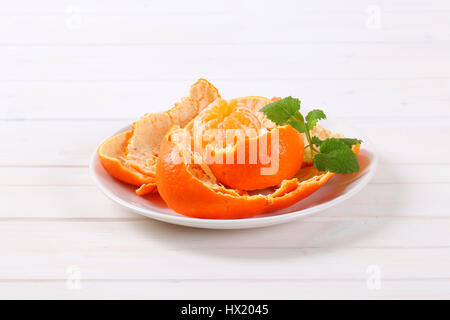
(115, 7)
(399, 141)
(60, 202)
(157, 7)
(245, 62)
(417, 174)
(76, 26)
(45, 176)
(151, 250)
(73, 142)
(307, 289)
(53, 142)
(129, 100)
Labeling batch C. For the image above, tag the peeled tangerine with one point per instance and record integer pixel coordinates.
(243, 148)
(131, 156)
(192, 189)
(194, 186)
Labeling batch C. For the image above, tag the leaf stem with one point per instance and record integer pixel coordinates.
(311, 144)
(300, 118)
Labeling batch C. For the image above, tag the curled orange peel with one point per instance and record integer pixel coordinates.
(131, 157)
(192, 190)
(148, 132)
(112, 156)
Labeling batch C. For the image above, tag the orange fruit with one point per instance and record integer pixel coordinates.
(243, 148)
(192, 189)
(112, 156)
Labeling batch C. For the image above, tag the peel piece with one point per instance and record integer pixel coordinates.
(148, 132)
(112, 157)
(146, 189)
(190, 190)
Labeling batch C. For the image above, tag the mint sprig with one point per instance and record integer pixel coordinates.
(332, 154)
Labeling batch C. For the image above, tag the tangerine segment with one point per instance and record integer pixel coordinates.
(244, 149)
(147, 132)
(255, 103)
(112, 156)
(193, 190)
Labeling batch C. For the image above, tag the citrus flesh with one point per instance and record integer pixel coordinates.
(244, 149)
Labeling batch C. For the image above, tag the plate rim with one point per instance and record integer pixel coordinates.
(245, 223)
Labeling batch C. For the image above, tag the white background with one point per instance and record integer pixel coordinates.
(73, 72)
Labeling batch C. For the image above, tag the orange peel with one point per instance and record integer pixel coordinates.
(112, 156)
(147, 188)
(148, 131)
(131, 157)
(192, 190)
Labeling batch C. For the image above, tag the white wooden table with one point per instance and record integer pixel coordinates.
(73, 72)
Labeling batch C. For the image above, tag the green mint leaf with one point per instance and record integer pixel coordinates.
(313, 116)
(336, 156)
(316, 141)
(348, 141)
(339, 161)
(297, 125)
(332, 144)
(282, 110)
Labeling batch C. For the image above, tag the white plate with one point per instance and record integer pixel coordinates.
(338, 189)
